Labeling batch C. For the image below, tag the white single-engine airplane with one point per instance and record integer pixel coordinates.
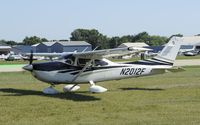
(92, 66)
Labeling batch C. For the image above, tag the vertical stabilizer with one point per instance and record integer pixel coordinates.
(170, 51)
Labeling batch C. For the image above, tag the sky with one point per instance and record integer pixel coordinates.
(56, 19)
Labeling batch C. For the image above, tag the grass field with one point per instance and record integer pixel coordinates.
(168, 99)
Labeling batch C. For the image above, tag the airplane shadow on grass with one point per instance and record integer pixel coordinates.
(142, 89)
(66, 96)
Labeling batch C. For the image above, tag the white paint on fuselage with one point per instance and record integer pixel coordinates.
(131, 70)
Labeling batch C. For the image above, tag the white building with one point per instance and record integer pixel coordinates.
(194, 43)
(4, 49)
(137, 44)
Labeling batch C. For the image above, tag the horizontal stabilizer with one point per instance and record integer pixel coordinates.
(176, 69)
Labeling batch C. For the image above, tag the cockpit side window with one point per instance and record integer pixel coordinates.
(82, 62)
(100, 63)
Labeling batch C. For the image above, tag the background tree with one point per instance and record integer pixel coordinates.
(142, 37)
(91, 36)
(3, 42)
(10, 42)
(157, 40)
(33, 40)
(97, 39)
(114, 42)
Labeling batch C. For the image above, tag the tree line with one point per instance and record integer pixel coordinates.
(97, 39)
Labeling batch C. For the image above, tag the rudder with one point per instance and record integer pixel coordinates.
(170, 51)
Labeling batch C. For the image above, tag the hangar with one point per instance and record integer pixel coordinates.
(4, 48)
(20, 49)
(195, 44)
(60, 46)
(193, 40)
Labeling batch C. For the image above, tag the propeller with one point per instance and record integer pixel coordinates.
(30, 66)
(31, 58)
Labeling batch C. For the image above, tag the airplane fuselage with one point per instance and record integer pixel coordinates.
(91, 67)
(59, 72)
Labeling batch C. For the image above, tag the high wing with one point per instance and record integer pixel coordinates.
(96, 54)
(50, 55)
(99, 54)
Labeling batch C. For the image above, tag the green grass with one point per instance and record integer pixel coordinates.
(168, 99)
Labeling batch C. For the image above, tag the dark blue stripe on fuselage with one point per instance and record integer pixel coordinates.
(53, 66)
(56, 66)
(147, 62)
(66, 71)
(162, 61)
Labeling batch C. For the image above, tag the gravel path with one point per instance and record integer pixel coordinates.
(11, 68)
(188, 62)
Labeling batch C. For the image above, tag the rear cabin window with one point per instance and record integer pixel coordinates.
(82, 62)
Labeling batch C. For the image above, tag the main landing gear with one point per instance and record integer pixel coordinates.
(70, 88)
(95, 88)
(50, 90)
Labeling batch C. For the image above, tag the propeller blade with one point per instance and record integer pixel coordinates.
(31, 57)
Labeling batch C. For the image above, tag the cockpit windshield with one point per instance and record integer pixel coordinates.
(71, 60)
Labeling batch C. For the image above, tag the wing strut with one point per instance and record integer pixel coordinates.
(84, 68)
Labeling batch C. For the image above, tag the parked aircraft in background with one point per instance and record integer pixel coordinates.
(3, 57)
(191, 53)
(11, 56)
(92, 66)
